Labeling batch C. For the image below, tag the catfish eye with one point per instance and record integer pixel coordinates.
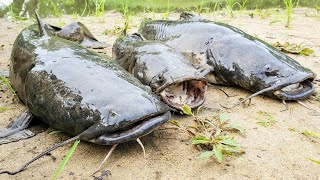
(270, 71)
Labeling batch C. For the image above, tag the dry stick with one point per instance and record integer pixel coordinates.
(41, 155)
(304, 105)
(105, 159)
(251, 96)
(284, 102)
(144, 151)
(226, 93)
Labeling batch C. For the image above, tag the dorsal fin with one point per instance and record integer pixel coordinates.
(188, 16)
(41, 26)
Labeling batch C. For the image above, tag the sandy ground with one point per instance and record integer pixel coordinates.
(271, 152)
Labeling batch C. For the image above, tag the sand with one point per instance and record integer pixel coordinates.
(274, 152)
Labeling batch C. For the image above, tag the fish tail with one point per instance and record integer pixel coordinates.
(42, 30)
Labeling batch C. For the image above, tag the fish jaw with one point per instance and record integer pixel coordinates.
(297, 90)
(137, 130)
(189, 92)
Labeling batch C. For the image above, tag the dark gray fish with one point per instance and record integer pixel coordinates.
(78, 32)
(165, 70)
(79, 92)
(236, 58)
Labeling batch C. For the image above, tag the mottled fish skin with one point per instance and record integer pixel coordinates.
(236, 58)
(78, 32)
(79, 92)
(160, 66)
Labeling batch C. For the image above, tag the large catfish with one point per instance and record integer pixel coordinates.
(236, 58)
(165, 70)
(77, 91)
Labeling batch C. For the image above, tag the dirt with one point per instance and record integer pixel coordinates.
(274, 152)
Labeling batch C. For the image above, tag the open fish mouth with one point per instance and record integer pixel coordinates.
(189, 92)
(296, 91)
(133, 131)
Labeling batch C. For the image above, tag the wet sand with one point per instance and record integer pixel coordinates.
(271, 152)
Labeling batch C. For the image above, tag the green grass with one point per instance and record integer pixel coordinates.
(315, 161)
(3, 109)
(66, 159)
(265, 119)
(99, 7)
(212, 135)
(229, 6)
(311, 134)
(289, 8)
(127, 14)
(7, 83)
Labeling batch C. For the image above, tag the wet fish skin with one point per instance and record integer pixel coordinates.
(79, 92)
(236, 57)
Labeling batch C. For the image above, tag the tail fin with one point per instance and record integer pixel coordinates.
(41, 26)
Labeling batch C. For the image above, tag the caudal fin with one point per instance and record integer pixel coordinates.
(41, 26)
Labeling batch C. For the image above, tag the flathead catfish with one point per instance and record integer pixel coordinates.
(165, 70)
(79, 92)
(236, 57)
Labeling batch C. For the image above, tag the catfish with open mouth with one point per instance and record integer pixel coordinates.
(165, 70)
(236, 57)
(79, 92)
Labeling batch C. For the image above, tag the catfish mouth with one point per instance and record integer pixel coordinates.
(133, 131)
(296, 91)
(189, 92)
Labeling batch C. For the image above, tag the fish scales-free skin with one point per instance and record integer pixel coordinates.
(235, 57)
(161, 67)
(81, 93)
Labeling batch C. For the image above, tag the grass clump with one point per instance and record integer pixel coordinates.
(265, 119)
(212, 135)
(289, 10)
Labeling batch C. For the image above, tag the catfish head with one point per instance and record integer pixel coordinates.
(166, 71)
(264, 69)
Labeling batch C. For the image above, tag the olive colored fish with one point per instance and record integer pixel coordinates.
(236, 58)
(77, 91)
(165, 70)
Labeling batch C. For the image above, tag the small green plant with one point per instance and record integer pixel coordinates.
(265, 119)
(216, 6)
(229, 6)
(294, 48)
(99, 5)
(127, 16)
(7, 83)
(74, 16)
(289, 8)
(14, 16)
(211, 135)
(243, 5)
(66, 159)
(114, 31)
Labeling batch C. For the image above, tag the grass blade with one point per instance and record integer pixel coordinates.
(66, 159)
(315, 161)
